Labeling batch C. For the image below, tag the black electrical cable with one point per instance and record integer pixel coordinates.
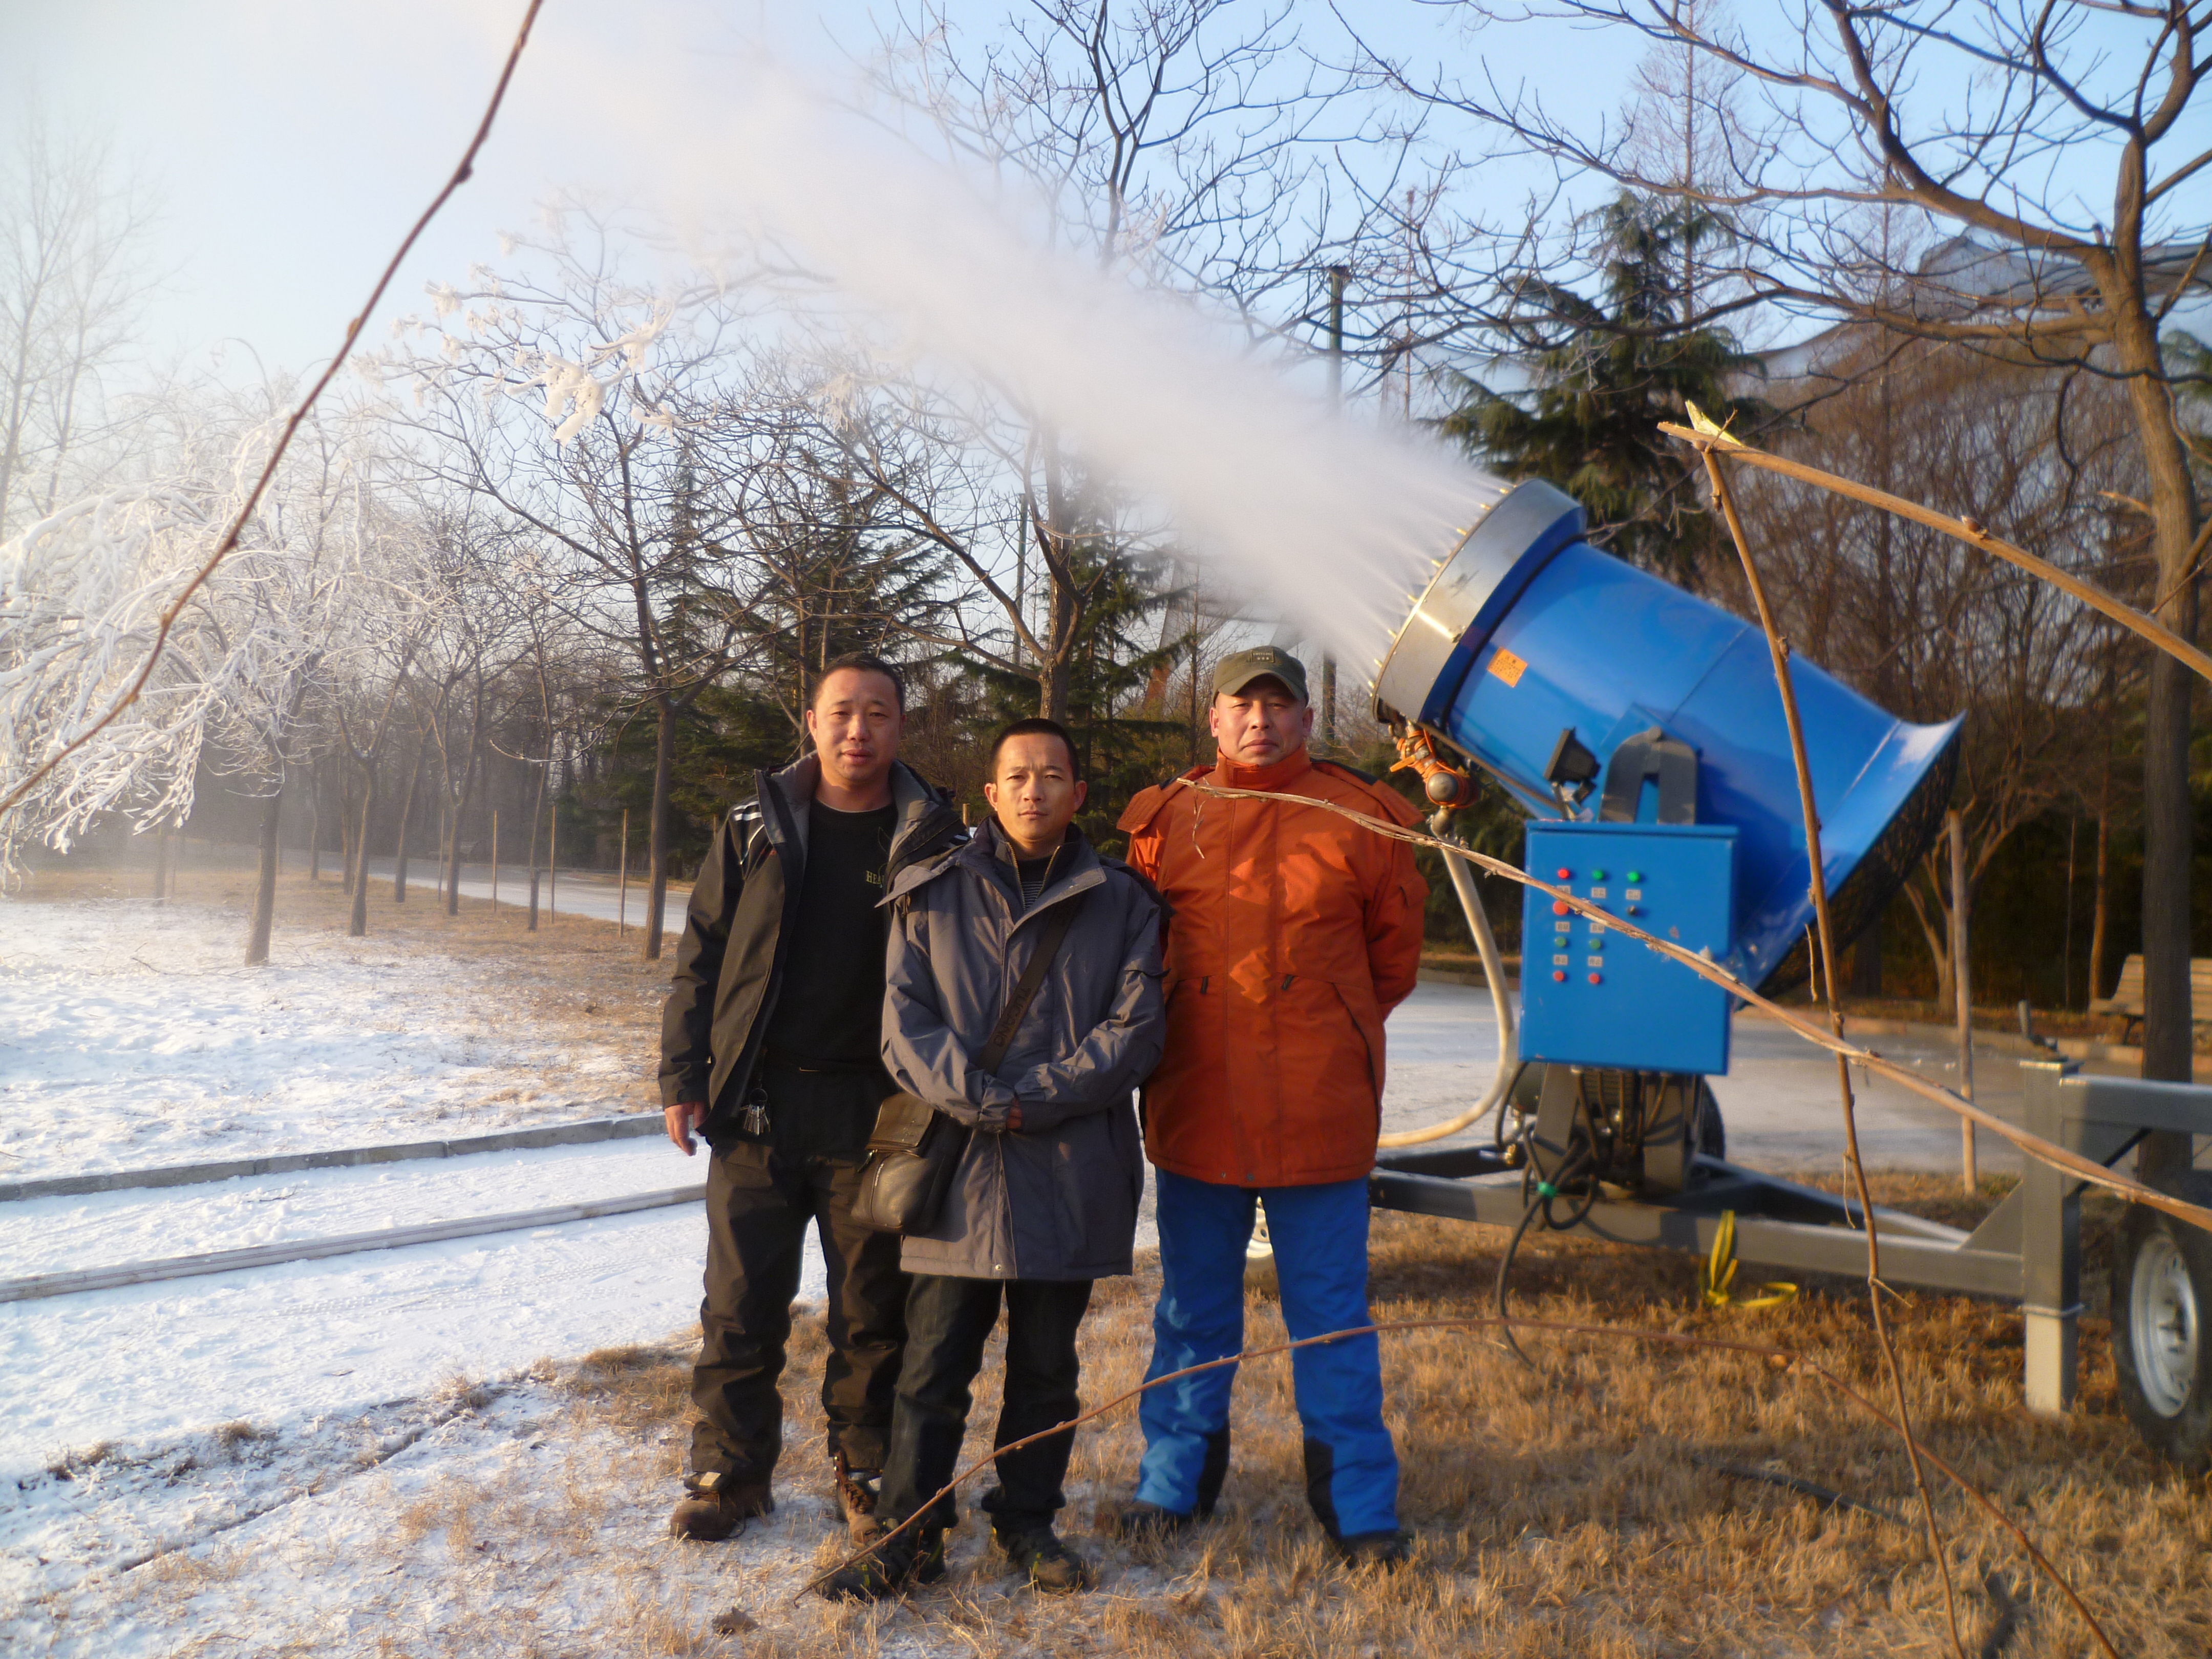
(1547, 1192)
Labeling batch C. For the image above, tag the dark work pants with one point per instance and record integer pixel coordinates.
(758, 1205)
(948, 1321)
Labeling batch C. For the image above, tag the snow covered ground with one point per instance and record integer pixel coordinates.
(290, 1457)
(130, 1037)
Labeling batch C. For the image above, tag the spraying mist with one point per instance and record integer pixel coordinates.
(1327, 523)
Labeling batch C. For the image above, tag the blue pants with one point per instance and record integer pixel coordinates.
(1319, 1236)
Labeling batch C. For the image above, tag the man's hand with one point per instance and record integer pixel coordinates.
(1014, 1119)
(685, 1119)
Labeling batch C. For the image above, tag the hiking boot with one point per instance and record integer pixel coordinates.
(912, 1557)
(1386, 1550)
(1141, 1523)
(1050, 1565)
(857, 1498)
(719, 1507)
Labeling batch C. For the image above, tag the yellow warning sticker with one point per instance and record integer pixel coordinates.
(1507, 666)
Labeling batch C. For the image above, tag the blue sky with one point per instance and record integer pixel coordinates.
(287, 145)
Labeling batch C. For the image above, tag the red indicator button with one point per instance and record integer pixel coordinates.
(1566, 875)
(1597, 979)
(1560, 907)
(1558, 977)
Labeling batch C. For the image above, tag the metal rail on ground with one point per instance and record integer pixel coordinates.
(39, 1285)
(189, 1175)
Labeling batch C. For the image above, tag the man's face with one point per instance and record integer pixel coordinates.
(1261, 723)
(1035, 792)
(856, 724)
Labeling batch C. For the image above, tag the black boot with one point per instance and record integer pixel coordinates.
(1388, 1551)
(912, 1557)
(1050, 1565)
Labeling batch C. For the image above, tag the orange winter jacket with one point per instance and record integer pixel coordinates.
(1294, 933)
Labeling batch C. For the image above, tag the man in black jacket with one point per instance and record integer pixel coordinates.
(771, 1048)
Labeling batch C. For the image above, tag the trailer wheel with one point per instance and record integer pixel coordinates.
(1709, 1134)
(2161, 1298)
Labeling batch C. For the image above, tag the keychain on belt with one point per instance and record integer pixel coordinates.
(756, 1119)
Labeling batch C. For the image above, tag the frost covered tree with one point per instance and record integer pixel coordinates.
(554, 396)
(250, 662)
(72, 277)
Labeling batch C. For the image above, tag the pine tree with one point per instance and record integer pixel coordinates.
(1602, 375)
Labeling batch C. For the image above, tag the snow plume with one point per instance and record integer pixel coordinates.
(1325, 520)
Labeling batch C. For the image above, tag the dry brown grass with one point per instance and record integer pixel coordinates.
(1562, 1513)
(1565, 1512)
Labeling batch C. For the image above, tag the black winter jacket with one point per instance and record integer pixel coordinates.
(729, 965)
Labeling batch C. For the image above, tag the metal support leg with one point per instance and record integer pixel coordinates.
(2050, 1247)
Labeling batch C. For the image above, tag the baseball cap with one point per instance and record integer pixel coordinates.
(1233, 674)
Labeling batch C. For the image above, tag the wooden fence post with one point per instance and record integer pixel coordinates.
(622, 882)
(495, 860)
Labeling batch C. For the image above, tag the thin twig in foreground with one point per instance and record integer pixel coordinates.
(1963, 530)
(228, 544)
(1817, 879)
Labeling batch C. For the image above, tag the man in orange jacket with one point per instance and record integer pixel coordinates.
(1294, 933)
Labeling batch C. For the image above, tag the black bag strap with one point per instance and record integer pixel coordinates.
(1053, 935)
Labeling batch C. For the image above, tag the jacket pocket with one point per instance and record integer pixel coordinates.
(1327, 1060)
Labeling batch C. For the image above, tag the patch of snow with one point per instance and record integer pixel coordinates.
(130, 1037)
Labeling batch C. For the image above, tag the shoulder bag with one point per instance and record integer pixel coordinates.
(916, 1150)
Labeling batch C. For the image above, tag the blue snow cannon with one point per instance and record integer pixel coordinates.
(1600, 695)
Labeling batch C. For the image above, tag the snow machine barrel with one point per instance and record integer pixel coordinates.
(1598, 694)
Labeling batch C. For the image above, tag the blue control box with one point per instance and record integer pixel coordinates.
(1591, 996)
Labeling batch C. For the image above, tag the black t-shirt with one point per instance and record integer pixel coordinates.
(829, 1014)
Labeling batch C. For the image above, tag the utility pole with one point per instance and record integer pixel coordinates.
(1338, 276)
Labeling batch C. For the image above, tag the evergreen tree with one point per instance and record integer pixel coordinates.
(1602, 375)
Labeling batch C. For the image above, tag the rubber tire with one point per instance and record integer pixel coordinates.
(2186, 1436)
(1711, 1133)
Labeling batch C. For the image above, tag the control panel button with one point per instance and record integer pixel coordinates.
(1565, 875)
(1597, 875)
(1636, 875)
(1559, 975)
(1560, 907)
(1597, 979)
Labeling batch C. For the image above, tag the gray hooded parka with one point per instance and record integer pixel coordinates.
(1059, 1199)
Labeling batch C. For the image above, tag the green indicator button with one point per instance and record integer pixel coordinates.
(1636, 875)
(1597, 875)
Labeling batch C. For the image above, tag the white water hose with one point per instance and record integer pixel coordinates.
(1494, 969)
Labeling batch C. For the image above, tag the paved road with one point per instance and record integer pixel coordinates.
(1778, 1099)
(577, 893)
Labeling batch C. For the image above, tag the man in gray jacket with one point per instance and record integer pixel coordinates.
(1045, 1195)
